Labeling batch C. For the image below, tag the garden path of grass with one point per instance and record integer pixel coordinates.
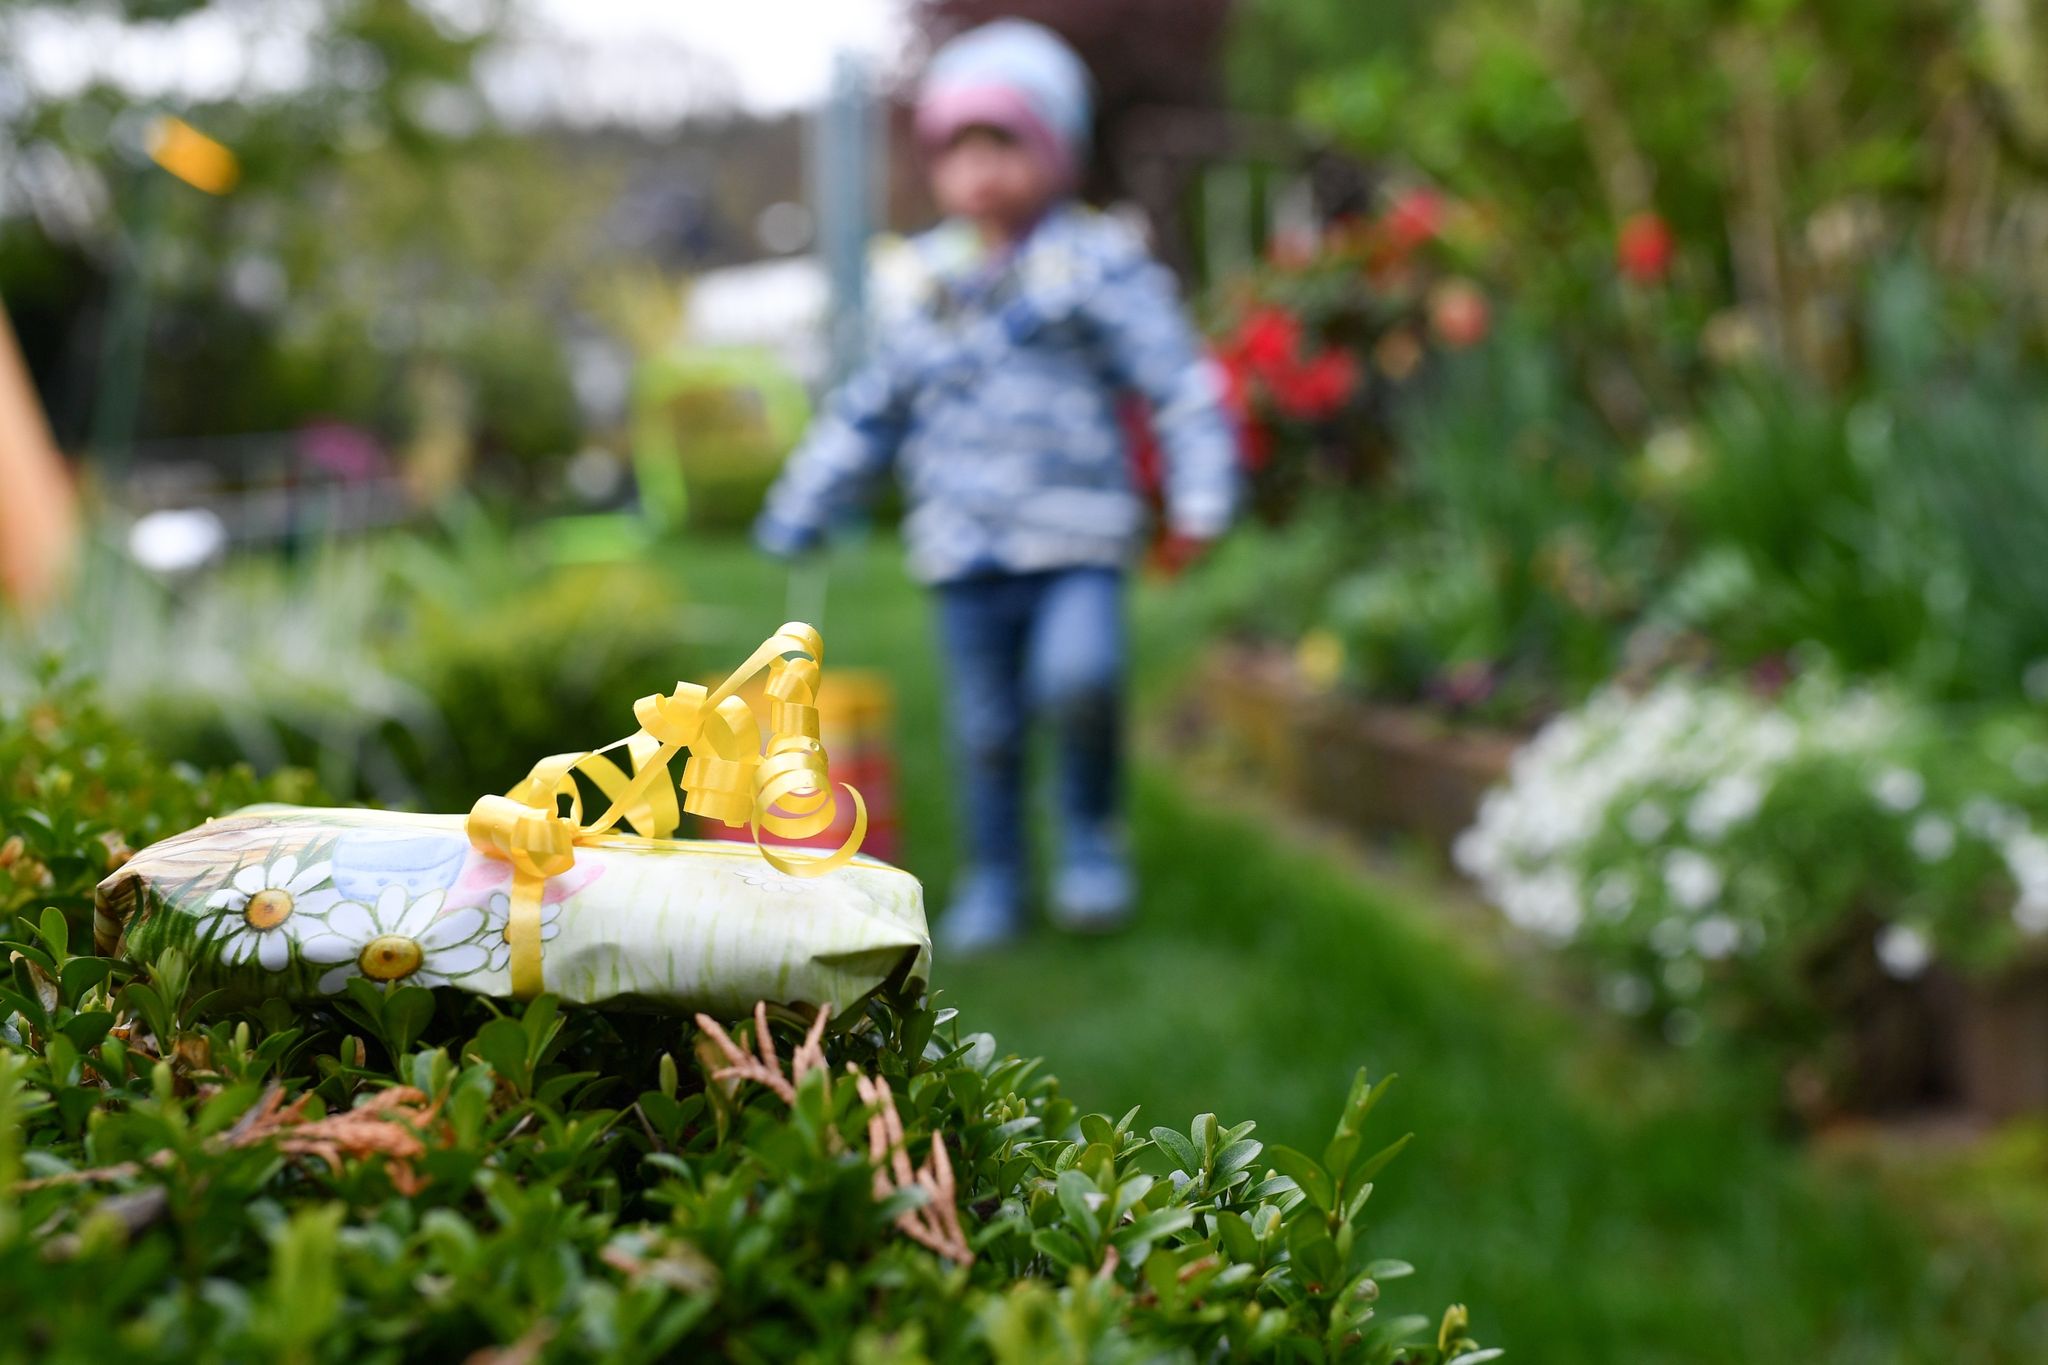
(1592, 1202)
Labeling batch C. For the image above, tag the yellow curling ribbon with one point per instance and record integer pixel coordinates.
(782, 787)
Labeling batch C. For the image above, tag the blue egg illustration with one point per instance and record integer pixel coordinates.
(367, 861)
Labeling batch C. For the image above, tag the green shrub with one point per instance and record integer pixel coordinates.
(78, 791)
(1571, 128)
(1520, 555)
(418, 668)
(401, 1176)
(711, 429)
(1727, 861)
(519, 657)
(1902, 530)
(1496, 571)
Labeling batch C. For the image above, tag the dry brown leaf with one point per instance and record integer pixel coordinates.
(390, 1124)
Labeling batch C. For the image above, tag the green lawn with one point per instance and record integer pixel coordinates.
(1592, 1202)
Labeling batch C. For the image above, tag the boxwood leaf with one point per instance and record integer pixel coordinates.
(1404, 1328)
(407, 1013)
(1377, 1162)
(1236, 1236)
(1304, 1171)
(1237, 1156)
(81, 974)
(86, 1030)
(1176, 1145)
(1077, 1192)
(1005, 1131)
(1316, 1263)
(1152, 1226)
(502, 1044)
(1058, 1247)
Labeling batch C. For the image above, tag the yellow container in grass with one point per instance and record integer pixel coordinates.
(856, 723)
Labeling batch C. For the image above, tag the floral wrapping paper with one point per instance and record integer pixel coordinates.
(293, 902)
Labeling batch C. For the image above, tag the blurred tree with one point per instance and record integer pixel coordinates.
(380, 216)
(1660, 171)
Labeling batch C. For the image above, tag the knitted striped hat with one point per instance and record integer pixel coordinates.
(1017, 76)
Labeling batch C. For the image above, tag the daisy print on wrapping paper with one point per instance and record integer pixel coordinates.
(498, 914)
(265, 907)
(770, 879)
(487, 882)
(400, 938)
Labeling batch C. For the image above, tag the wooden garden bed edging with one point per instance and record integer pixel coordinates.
(1977, 1047)
(1370, 768)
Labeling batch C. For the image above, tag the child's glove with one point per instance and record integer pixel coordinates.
(1176, 552)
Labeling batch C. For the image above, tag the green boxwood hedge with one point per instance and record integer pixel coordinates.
(400, 1176)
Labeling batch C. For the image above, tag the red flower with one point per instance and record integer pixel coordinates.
(1332, 379)
(1269, 340)
(1644, 247)
(1458, 314)
(1318, 389)
(1414, 219)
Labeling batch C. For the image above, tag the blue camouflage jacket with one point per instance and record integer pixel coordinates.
(996, 400)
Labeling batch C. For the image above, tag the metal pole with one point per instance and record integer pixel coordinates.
(843, 188)
(125, 335)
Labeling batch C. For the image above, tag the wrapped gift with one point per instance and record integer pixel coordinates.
(523, 895)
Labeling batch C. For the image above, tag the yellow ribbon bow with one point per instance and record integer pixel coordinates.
(784, 787)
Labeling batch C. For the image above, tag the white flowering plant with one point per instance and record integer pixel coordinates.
(1703, 845)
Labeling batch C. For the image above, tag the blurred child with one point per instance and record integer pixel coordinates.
(996, 402)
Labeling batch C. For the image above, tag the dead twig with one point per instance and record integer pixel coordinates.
(120, 1170)
(134, 1212)
(764, 1064)
(525, 1351)
(936, 1222)
(653, 1138)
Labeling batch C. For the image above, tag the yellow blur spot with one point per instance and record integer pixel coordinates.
(192, 156)
(1320, 657)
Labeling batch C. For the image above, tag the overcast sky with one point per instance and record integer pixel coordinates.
(653, 61)
(779, 51)
(585, 60)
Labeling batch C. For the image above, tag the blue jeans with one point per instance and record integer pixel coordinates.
(1022, 647)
